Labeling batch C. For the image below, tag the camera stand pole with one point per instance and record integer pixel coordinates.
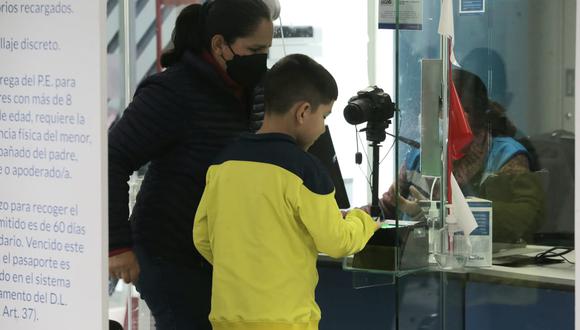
(375, 208)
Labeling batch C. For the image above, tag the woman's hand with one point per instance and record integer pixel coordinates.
(407, 205)
(124, 266)
(411, 205)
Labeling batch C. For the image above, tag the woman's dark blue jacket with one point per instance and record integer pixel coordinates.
(177, 122)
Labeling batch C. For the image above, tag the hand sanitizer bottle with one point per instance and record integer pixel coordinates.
(453, 248)
(434, 225)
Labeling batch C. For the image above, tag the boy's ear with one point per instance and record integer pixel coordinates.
(301, 112)
(217, 43)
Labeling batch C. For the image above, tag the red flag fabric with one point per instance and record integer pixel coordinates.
(459, 134)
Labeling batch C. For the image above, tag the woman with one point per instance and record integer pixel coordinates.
(495, 167)
(178, 121)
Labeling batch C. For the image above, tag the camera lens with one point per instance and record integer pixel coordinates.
(356, 111)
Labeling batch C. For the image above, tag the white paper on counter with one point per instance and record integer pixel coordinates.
(462, 212)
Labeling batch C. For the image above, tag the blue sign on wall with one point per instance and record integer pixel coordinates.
(471, 6)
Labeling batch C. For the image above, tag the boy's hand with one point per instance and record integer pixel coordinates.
(366, 208)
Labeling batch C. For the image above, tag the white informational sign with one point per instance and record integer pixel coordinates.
(471, 7)
(53, 238)
(410, 14)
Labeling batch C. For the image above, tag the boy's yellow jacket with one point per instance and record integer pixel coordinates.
(267, 210)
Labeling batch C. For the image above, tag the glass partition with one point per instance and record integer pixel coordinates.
(119, 293)
(515, 81)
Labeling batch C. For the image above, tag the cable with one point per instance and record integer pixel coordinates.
(357, 151)
(388, 152)
(432, 188)
(365, 176)
(553, 252)
(568, 261)
(364, 150)
(356, 139)
(368, 163)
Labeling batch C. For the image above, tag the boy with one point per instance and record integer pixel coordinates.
(268, 209)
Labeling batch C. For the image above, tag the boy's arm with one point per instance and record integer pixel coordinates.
(332, 234)
(200, 230)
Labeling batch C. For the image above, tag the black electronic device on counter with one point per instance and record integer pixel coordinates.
(395, 249)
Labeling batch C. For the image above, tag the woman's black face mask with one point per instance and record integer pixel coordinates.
(247, 70)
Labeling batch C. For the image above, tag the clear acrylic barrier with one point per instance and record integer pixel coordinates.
(523, 52)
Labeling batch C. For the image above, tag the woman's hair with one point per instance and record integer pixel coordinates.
(483, 113)
(197, 24)
(297, 78)
(499, 122)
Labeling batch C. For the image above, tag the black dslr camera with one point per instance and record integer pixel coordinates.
(374, 106)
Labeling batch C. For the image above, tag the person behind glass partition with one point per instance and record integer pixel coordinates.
(178, 121)
(495, 167)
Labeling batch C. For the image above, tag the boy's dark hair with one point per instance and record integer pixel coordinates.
(197, 24)
(297, 78)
